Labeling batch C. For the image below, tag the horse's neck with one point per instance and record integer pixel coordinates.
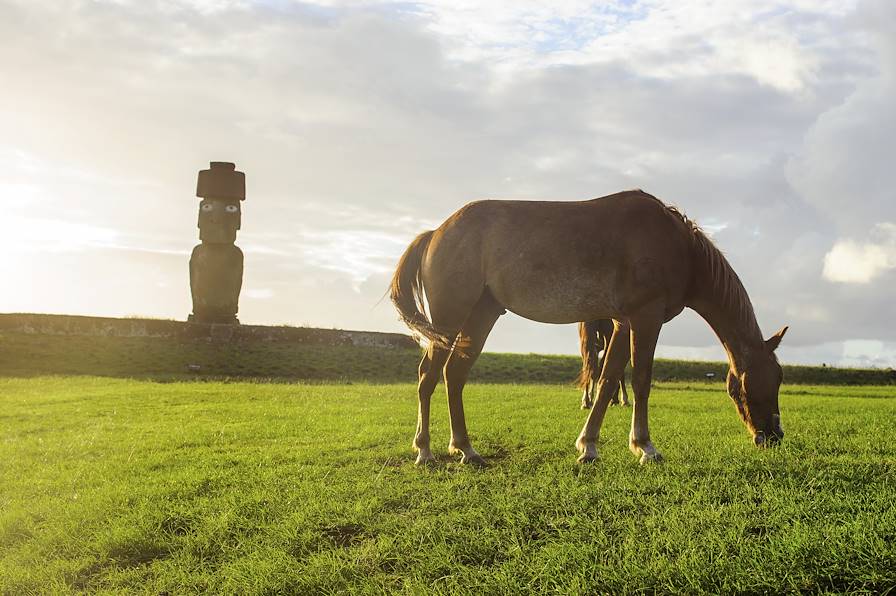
(739, 334)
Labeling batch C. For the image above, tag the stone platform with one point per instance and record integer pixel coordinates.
(135, 327)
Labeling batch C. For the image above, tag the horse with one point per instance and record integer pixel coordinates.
(540, 260)
(594, 339)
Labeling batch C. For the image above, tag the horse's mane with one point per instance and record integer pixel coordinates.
(714, 268)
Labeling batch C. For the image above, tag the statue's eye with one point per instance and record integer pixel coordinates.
(206, 207)
(232, 208)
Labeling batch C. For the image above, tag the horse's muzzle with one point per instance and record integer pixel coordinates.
(771, 436)
(767, 440)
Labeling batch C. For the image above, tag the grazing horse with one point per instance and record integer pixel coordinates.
(540, 260)
(594, 339)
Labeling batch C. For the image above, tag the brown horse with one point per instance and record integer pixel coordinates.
(594, 339)
(540, 260)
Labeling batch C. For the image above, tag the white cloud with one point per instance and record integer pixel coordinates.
(860, 262)
(258, 293)
(360, 124)
(356, 253)
(661, 38)
(868, 353)
(844, 168)
(37, 235)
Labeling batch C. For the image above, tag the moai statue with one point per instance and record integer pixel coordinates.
(216, 265)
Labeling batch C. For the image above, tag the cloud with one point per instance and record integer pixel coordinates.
(844, 168)
(37, 235)
(361, 124)
(853, 262)
(258, 293)
(659, 38)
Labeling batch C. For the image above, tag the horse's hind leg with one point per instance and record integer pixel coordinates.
(587, 334)
(588, 395)
(614, 366)
(595, 375)
(429, 371)
(475, 331)
(605, 338)
(624, 394)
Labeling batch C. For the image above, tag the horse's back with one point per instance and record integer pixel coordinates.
(614, 215)
(560, 261)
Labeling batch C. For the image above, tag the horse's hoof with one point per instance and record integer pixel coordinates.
(424, 460)
(651, 458)
(475, 460)
(586, 406)
(587, 458)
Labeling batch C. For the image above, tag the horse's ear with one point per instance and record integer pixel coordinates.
(774, 341)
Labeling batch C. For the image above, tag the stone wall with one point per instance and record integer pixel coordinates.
(134, 327)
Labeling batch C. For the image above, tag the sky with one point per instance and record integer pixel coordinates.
(360, 124)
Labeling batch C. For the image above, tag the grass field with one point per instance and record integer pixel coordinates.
(112, 485)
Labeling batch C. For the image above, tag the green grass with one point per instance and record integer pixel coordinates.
(160, 358)
(111, 486)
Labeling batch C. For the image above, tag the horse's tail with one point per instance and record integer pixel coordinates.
(406, 292)
(590, 349)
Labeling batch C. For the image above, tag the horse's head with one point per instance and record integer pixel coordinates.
(755, 393)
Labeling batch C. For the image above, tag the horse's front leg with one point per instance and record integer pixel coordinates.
(614, 399)
(645, 331)
(613, 368)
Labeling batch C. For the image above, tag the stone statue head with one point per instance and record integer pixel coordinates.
(218, 221)
(221, 188)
